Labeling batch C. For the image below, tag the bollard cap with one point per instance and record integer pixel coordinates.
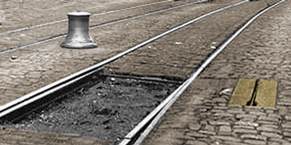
(79, 14)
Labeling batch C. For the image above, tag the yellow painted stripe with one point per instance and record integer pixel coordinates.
(243, 92)
(266, 93)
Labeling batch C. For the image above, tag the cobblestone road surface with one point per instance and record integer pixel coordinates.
(42, 32)
(16, 137)
(30, 68)
(201, 116)
(25, 70)
(22, 13)
(178, 54)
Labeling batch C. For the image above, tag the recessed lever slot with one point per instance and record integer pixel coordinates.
(252, 92)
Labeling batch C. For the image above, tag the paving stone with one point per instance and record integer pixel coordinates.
(203, 110)
(279, 140)
(194, 126)
(220, 100)
(286, 129)
(216, 123)
(196, 134)
(207, 132)
(209, 128)
(253, 108)
(273, 143)
(224, 129)
(284, 103)
(233, 110)
(269, 134)
(257, 113)
(244, 127)
(253, 136)
(270, 119)
(222, 104)
(223, 114)
(287, 134)
(255, 142)
(191, 142)
(246, 117)
(267, 122)
(277, 116)
(246, 123)
(287, 117)
(227, 138)
(288, 139)
(221, 108)
(217, 111)
(286, 125)
(244, 131)
(269, 128)
(233, 143)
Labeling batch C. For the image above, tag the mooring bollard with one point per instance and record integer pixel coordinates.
(78, 31)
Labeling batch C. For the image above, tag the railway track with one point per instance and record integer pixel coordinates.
(26, 104)
(23, 28)
(65, 20)
(62, 33)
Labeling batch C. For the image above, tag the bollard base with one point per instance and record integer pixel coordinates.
(79, 45)
(78, 32)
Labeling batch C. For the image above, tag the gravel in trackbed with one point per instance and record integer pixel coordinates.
(106, 108)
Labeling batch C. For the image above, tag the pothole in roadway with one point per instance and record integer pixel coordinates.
(104, 107)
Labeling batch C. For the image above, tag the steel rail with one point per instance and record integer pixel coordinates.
(154, 117)
(60, 84)
(64, 20)
(51, 38)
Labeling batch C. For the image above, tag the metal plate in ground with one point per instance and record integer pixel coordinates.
(266, 93)
(243, 92)
(254, 92)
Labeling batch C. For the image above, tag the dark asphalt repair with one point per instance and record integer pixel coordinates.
(104, 107)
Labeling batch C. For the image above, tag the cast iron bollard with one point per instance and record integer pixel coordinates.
(78, 35)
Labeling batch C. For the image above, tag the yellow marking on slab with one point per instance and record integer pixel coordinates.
(243, 92)
(266, 93)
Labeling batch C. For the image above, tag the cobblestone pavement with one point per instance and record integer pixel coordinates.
(28, 69)
(22, 13)
(177, 54)
(25, 70)
(45, 32)
(16, 137)
(201, 116)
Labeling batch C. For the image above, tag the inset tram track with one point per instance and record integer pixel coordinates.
(10, 111)
(64, 20)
